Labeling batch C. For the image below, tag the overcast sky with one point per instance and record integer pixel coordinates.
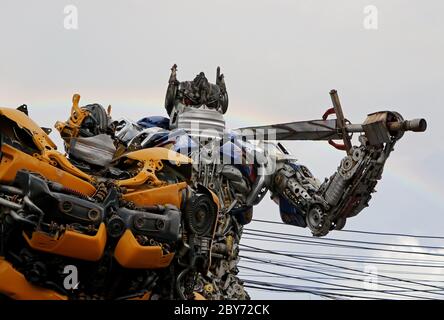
(280, 59)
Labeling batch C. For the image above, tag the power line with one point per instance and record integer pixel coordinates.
(352, 246)
(349, 241)
(281, 237)
(341, 267)
(365, 232)
(362, 261)
(279, 288)
(315, 266)
(344, 286)
(360, 258)
(300, 287)
(329, 245)
(252, 275)
(346, 278)
(300, 291)
(268, 289)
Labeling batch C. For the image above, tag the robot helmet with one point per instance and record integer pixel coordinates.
(197, 93)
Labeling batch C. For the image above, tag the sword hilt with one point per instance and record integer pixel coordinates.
(341, 122)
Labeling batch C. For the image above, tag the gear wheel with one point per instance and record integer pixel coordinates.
(200, 215)
(318, 222)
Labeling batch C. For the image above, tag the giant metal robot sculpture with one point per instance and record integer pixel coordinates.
(242, 165)
(155, 209)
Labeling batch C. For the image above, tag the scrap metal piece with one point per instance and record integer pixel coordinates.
(301, 130)
(375, 128)
(125, 130)
(71, 127)
(98, 150)
(198, 122)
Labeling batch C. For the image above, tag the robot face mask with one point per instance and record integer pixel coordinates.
(197, 93)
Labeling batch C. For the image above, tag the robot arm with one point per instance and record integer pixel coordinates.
(324, 207)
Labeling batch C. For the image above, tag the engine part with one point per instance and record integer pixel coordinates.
(130, 254)
(164, 226)
(98, 149)
(318, 221)
(116, 226)
(335, 189)
(202, 123)
(58, 206)
(125, 130)
(200, 215)
(71, 244)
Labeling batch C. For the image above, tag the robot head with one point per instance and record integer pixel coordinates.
(197, 93)
(197, 106)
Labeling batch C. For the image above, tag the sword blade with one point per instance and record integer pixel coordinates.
(300, 130)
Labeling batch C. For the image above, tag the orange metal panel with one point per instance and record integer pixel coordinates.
(14, 285)
(170, 194)
(14, 160)
(130, 254)
(70, 244)
(41, 139)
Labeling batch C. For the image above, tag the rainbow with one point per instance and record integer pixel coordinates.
(136, 106)
(410, 177)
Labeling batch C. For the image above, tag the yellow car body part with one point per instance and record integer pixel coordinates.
(46, 147)
(150, 161)
(169, 194)
(159, 153)
(14, 285)
(145, 176)
(64, 163)
(215, 199)
(70, 129)
(198, 296)
(130, 254)
(143, 297)
(14, 160)
(39, 137)
(70, 244)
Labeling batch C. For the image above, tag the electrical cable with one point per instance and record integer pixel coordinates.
(365, 232)
(342, 267)
(347, 278)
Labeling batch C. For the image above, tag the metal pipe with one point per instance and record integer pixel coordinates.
(415, 125)
(31, 205)
(11, 190)
(260, 182)
(354, 128)
(10, 204)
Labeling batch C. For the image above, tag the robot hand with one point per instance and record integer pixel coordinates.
(326, 206)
